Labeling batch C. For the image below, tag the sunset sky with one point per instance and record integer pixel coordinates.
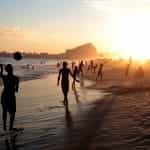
(55, 25)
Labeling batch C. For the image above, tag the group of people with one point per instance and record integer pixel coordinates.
(75, 72)
(139, 72)
(11, 86)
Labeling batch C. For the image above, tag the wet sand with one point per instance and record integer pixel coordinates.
(126, 124)
(47, 123)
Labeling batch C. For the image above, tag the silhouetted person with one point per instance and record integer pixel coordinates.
(75, 74)
(8, 98)
(127, 70)
(81, 65)
(86, 65)
(72, 65)
(94, 68)
(128, 67)
(100, 72)
(58, 65)
(139, 74)
(64, 75)
(91, 65)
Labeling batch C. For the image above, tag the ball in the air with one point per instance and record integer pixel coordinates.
(17, 56)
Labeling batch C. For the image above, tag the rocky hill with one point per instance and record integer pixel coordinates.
(86, 51)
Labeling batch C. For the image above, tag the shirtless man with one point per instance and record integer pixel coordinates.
(64, 75)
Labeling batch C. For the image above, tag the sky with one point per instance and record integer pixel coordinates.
(56, 25)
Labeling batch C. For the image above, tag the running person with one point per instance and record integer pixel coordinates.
(100, 72)
(8, 98)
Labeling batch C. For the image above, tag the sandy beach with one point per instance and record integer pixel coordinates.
(74, 74)
(110, 114)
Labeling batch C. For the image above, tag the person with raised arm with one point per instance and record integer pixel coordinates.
(8, 98)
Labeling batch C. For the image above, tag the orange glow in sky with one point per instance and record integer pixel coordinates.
(121, 26)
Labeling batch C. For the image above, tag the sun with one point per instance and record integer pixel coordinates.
(130, 34)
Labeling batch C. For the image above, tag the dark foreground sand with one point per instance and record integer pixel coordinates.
(124, 116)
(126, 125)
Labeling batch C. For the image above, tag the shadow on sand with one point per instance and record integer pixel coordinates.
(82, 134)
(76, 95)
(10, 143)
(68, 117)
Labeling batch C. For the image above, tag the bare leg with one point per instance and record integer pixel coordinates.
(97, 78)
(12, 117)
(73, 84)
(101, 76)
(4, 120)
(66, 98)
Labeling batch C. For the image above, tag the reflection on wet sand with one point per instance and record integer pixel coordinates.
(76, 95)
(69, 121)
(82, 82)
(10, 142)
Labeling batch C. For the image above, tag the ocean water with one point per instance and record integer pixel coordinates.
(25, 61)
(46, 121)
(28, 69)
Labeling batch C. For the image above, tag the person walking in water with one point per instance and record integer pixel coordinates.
(64, 75)
(127, 70)
(8, 98)
(75, 74)
(128, 66)
(100, 72)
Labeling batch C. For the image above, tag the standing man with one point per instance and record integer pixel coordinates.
(127, 70)
(8, 98)
(100, 72)
(64, 75)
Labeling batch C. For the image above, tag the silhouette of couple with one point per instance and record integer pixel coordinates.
(11, 86)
